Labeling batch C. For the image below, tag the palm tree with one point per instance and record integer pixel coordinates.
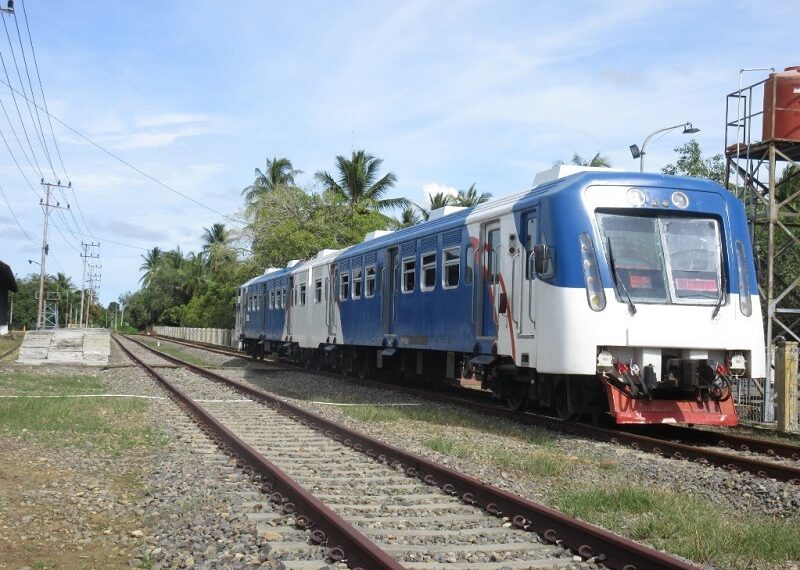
(410, 216)
(279, 172)
(64, 287)
(358, 183)
(215, 245)
(193, 276)
(151, 260)
(174, 257)
(438, 200)
(469, 197)
(597, 160)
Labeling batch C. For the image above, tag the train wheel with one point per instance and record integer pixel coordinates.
(364, 369)
(517, 395)
(560, 404)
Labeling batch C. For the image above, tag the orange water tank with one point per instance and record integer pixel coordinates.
(782, 105)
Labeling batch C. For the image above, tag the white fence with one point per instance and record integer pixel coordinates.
(220, 337)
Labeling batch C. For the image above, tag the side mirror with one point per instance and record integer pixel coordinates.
(541, 259)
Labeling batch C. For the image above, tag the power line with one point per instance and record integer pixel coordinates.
(28, 101)
(128, 164)
(19, 113)
(13, 215)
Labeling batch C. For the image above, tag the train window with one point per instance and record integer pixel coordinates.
(531, 231)
(302, 294)
(369, 291)
(318, 291)
(344, 285)
(451, 268)
(271, 299)
(409, 274)
(356, 283)
(428, 276)
(469, 269)
(493, 241)
(258, 302)
(283, 298)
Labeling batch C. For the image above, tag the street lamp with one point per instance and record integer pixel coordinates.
(636, 152)
(32, 261)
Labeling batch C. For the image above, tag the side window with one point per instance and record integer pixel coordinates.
(469, 254)
(409, 274)
(451, 268)
(370, 287)
(493, 241)
(258, 302)
(356, 283)
(271, 298)
(344, 285)
(302, 294)
(318, 291)
(531, 234)
(428, 280)
(283, 298)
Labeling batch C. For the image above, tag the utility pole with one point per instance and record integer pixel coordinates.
(94, 282)
(47, 207)
(87, 254)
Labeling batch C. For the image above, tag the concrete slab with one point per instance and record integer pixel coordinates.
(87, 347)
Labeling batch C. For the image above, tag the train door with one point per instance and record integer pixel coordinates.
(289, 304)
(527, 302)
(490, 298)
(390, 287)
(330, 292)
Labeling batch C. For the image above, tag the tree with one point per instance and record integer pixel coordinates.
(469, 197)
(438, 200)
(216, 247)
(409, 216)
(358, 184)
(691, 163)
(151, 260)
(598, 160)
(279, 172)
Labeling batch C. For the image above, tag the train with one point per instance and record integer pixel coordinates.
(596, 293)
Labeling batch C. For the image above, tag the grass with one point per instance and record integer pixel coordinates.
(686, 525)
(172, 350)
(452, 418)
(113, 425)
(9, 343)
(533, 463)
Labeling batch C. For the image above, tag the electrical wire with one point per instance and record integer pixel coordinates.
(50, 124)
(13, 215)
(19, 114)
(128, 164)
(28, 100)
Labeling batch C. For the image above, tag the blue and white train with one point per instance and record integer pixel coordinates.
(596, 291)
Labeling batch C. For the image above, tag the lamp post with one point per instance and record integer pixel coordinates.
(636, 152)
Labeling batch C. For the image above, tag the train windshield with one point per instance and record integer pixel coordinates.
(663, 259)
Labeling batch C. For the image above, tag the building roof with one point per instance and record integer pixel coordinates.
(7, 281)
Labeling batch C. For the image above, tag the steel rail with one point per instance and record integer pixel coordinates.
(640, 442)
(349, 544)
(588, 541)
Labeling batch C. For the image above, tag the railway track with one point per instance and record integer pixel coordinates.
(377, 506)
(674, 442)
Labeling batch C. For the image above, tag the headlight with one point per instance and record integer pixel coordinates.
(680, 200)
(591, 276)
(636, 197)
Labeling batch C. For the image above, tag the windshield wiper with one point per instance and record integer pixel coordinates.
(722, 287)
(618, 279)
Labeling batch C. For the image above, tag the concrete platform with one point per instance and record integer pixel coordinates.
(84, 347)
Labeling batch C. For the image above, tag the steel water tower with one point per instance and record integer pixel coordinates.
(765, 174)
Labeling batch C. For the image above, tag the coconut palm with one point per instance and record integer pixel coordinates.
(410, 216)
(597, 160)
(151, 260)
(193, 275)
(470, 197)
(279, 172)
(358, 184)
(438, 200)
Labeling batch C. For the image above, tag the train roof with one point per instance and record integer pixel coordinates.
(567, 187)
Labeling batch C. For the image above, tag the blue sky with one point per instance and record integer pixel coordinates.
(198, 94)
